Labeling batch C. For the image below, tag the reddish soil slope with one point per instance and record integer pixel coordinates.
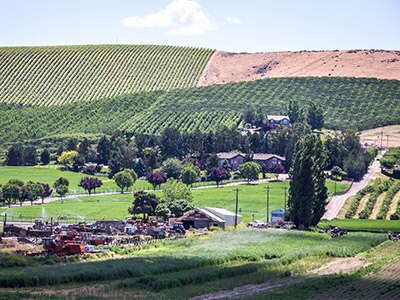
(225, 67)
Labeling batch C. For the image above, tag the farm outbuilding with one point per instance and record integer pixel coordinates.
(277, 215)
(226, 215)
(200, 218)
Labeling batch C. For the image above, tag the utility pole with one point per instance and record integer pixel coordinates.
(267, 203)
(381, 139)
(284, 199)
(237, 204)
(5, 221)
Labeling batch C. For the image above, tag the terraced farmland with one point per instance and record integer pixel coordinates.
(347, 103)
(58, 75)
(379, 200)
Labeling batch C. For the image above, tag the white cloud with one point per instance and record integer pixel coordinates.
(180, 17)
(233, 20)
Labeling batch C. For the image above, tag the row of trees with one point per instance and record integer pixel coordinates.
(16, 190)
(18, 155)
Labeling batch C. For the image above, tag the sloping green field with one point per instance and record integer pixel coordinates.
(348, 103)
(58, 75)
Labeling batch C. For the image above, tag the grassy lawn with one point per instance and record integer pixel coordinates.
(50, 174)
(364, 225)
(184, 268)
(252, 201)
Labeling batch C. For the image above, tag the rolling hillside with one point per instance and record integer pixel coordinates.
(58, 75)
(225, 67)
(348, 103)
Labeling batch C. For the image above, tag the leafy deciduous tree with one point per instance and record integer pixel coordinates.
(144, 203)
(90, 183)
(125, 179)
(156, 178)
(219, 174)
(249, 170)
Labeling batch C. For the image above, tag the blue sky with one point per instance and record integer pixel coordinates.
(231, 25)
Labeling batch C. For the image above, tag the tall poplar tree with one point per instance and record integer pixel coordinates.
(307, 192)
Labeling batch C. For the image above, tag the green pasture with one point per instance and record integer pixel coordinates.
(364, 225)
(49, 174)
(252, 201)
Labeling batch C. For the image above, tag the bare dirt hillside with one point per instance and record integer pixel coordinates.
(388, 136)
(225, 67)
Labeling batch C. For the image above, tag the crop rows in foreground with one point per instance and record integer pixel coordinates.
(379, 200)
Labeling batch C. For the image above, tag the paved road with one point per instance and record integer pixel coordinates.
(336, 203)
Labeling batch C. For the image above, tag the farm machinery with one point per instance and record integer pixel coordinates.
(338, 231)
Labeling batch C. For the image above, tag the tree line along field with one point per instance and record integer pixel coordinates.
(348, 103)
(186, 267)
(252, 202)
(57, 75)
(49, 174)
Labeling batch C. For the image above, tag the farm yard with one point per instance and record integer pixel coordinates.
(179, 171)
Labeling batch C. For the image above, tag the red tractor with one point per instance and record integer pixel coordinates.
(64, 244)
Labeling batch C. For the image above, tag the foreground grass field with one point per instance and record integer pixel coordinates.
(364, 225)
(184, 268)
(252, 203)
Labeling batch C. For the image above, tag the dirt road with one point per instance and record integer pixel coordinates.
(337, 266)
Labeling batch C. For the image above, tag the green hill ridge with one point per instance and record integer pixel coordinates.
(348, 103)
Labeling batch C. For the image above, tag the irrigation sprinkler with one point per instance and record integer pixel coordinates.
(284, 198)
(267, 203)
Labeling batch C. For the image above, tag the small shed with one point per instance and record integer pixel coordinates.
(226, 215)
(200, 218)
(278, 215)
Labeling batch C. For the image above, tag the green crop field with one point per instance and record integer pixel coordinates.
(59, 75)
(380, 199)
(252, 201)
(364, 225)
(184, 268)
(358, 103)
(20, 123)
(347, 103)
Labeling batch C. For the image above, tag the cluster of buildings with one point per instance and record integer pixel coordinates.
(235, 159)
